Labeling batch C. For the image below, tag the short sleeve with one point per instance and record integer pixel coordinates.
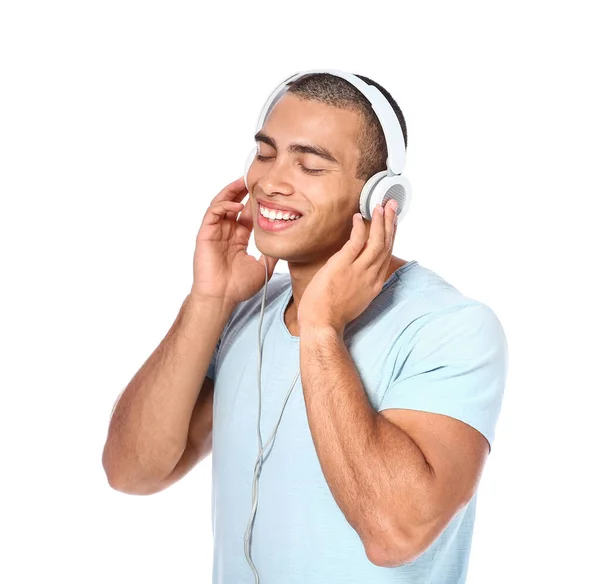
(456, 364)
(213, 361)
(212, 366)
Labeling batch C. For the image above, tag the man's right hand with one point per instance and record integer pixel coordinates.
(223, 270)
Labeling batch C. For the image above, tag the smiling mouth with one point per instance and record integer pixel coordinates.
(279, 216)
(274, 225)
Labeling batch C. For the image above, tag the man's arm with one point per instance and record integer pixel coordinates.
(159, 426)
(398, 495)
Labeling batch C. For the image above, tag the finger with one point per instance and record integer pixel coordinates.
(246, 216)
(358, 237)
(219, 211)
(374, 254)
(390, 223)
(234, 191)
(390, 233)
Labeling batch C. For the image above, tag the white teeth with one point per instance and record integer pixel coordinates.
(277, 215)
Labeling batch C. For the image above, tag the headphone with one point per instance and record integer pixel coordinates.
(378, 189)
(382, 186)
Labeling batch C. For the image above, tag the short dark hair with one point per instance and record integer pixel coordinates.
(338, 92)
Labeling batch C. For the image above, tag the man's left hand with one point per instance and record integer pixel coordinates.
(345, 286)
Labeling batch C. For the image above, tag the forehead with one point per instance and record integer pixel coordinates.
(295, 119)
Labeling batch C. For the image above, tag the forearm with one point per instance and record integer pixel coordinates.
(149, 425)
(376, 473)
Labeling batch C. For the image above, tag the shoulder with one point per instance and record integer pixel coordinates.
(458, 332)
(432, 304)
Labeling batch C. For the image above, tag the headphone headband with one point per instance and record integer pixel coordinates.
(392, 131)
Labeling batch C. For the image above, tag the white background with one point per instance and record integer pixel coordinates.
(120, 121)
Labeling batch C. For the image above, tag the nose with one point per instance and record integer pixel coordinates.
(273, 176)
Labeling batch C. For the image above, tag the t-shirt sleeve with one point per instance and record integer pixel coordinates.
(456, 364)
(211, 372)
(213, 361)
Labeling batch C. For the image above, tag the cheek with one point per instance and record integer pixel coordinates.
(336, 222)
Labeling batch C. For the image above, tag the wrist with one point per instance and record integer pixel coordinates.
(319, 329)
(205, 305)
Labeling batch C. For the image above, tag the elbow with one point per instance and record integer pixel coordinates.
(120, 481)
(396, 546)
(116, 484)
(394, 552)
(130, 487)
(406, 546)
(115, 480)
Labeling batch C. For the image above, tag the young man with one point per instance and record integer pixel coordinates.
(373, 472)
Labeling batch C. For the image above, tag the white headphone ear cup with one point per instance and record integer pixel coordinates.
(384, 187)
(364, 203)
(407, 195)
(248, 164)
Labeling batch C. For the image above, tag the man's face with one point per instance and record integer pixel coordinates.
(327, 197)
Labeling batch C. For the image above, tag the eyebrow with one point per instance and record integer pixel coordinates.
(297, 147)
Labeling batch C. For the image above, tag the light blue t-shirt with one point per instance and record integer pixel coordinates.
(422, 345)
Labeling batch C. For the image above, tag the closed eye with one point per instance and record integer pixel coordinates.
(262, 158)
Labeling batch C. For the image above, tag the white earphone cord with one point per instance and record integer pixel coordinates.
(260, 460)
